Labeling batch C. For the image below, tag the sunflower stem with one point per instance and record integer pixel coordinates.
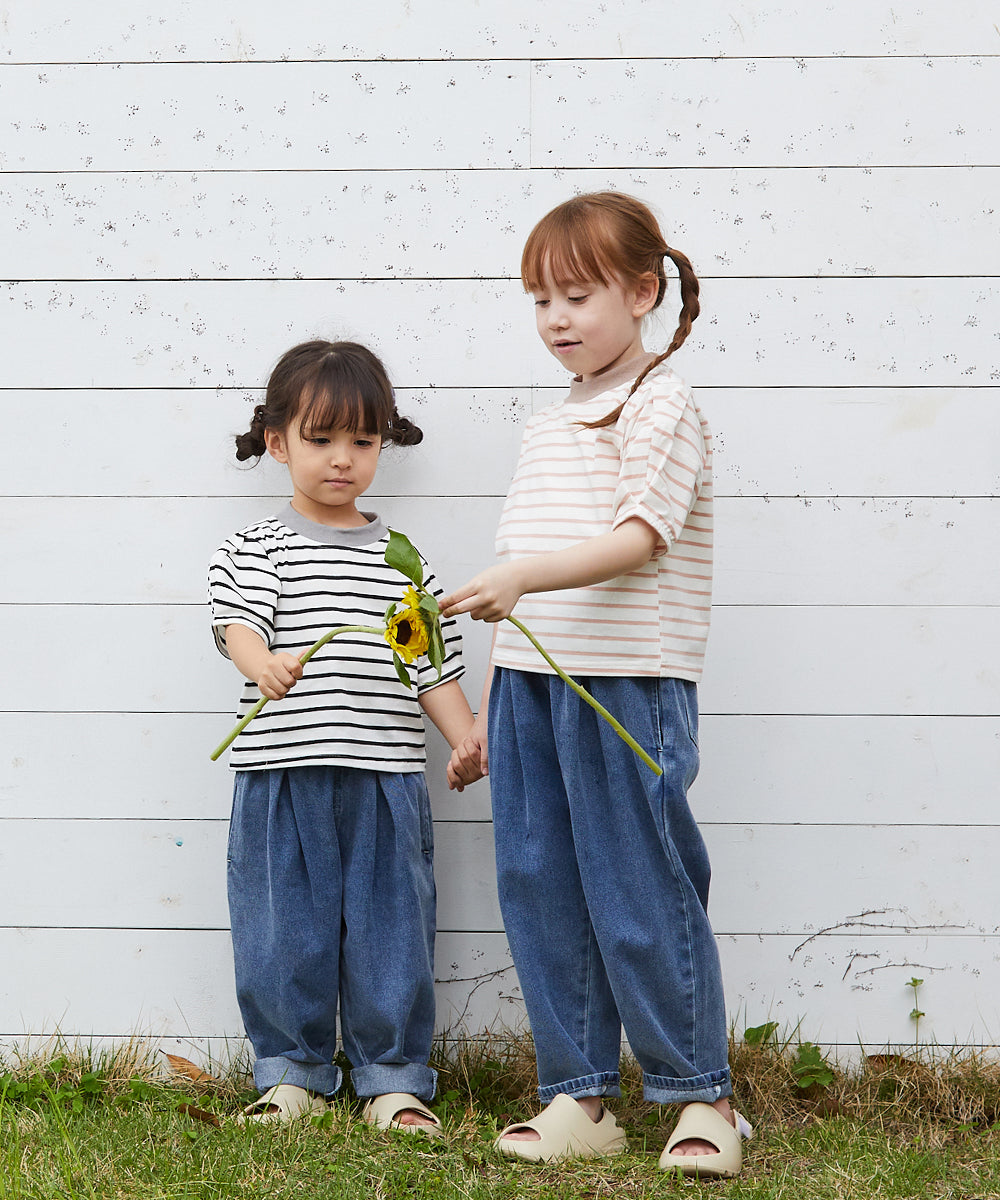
(616, 725)
(235, 732)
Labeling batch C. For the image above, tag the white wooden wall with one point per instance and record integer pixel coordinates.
(187, 189)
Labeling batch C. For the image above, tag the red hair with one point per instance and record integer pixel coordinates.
(608, 237)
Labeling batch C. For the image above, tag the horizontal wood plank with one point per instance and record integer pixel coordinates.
(873, 442)
(779, 112)
(772, 112)
(886, 661)
(846, 879)
(184, 31)
(914, 661)
(265, 116)
(470, 446)
(780, 551)
(759, 770)
(178, 984)
(825, 221)
(753, 333)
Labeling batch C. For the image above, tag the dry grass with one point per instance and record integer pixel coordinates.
(932, 1093)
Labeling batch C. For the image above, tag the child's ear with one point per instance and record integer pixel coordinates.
(274, 440)
(644, 295)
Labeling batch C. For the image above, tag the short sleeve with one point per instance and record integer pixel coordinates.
(662, 456)
(243, 589)
(452, 667)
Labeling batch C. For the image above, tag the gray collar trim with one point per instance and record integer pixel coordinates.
(330, 535)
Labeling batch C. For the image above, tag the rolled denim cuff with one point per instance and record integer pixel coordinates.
(378, 1079)
(322, 1078)
(658, 1089)
(604, 1084)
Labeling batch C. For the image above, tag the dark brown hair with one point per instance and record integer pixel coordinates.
(608, 237)
(328, 385)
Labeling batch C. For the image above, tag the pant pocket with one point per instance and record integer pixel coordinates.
(426, 817)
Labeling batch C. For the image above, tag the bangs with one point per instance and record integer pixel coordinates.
(340, 396)
(322, 409)
(572, 244)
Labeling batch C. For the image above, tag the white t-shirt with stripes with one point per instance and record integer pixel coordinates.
(291, 580)
(573, 483)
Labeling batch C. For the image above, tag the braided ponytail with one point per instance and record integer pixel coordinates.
(690, 308)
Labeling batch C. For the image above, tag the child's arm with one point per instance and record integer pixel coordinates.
(492, 594)
(274, 674)
(470, 760)
(448, 708)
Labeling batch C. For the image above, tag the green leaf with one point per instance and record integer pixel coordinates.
(401, 671)
(390, 612)
(429, 604)
(401, 555)
(810, 1067)
(435, 648)
(757, 1035)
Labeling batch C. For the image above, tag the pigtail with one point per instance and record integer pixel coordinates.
(402, 431)
(690, 308)
(251, 444)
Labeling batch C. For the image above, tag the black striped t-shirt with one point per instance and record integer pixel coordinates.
(291, 580)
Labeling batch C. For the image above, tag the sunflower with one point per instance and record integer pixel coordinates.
(406, 631)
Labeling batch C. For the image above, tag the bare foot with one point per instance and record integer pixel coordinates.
(691, 1147)
(410, 1116)
(591, 1105)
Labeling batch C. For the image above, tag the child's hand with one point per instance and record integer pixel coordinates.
(280, 674)
(489, 596)
(469, 761)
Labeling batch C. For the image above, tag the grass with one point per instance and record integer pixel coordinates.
(81, 1124)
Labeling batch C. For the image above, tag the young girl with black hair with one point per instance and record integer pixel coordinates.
(605, 549)
(331, 885)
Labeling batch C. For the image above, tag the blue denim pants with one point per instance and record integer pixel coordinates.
(603, 881)
(331, 895)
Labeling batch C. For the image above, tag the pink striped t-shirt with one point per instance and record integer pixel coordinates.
(573, 483)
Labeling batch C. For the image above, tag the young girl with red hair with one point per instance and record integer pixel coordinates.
(605, 549)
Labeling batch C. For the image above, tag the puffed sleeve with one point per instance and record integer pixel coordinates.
(663, 454)
(243, 589)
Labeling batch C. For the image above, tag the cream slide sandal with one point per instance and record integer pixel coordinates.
(383, 1112)
(703, 1123)
(564, 1131)
(289, 1103)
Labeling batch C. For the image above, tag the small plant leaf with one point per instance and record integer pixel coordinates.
(757, 1035)
(435, 647)
(401, 671)
(429, 603)
(401, 555)
(810, 1068)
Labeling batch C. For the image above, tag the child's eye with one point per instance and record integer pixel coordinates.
(576, 299)
(364, 442)
(540, 303)
(318, 441)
